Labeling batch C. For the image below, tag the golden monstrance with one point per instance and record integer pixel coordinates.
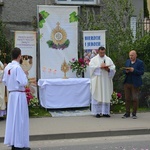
(64, 68)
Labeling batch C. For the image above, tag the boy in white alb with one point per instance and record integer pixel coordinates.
(17, 122)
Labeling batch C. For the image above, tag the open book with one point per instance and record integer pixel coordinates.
(126, 68)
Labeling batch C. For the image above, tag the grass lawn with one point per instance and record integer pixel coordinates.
(144, 109)
(121, 109)
(38, 112)
(42, 112)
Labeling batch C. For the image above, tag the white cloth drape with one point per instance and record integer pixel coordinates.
(64, 93)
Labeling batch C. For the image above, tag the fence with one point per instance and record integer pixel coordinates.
(143, 27)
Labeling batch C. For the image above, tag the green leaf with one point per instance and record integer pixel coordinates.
(40, 25)
(73, 17)
(41, 35)
(67, 43)
(50, 43)
(44, 14)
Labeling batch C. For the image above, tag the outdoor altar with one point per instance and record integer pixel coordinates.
(64, 93)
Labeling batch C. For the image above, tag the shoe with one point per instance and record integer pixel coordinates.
(17, 148)
(24, 148)
(2, 118)
(106, 115)
(98, 116)
(13, 148)
(134, 116)
(126, 115)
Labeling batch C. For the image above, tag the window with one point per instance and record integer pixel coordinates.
(86, 2)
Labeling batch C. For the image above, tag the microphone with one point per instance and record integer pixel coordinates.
(104, 61)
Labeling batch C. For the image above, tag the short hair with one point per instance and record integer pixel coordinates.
(101, 48)
(16, 52)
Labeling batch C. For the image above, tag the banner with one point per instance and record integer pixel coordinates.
(58, 38)
(92, 40)
(26, 41)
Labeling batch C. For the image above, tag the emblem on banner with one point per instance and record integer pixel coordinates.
(59, 38)
(42, 17)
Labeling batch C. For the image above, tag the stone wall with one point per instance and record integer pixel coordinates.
(20, 14)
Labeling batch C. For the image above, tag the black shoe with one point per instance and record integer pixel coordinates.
(134, 116)
(106, 115)
(98, 116)
(24, 148)
(13, 148)
(2, 118)
(126, 115)
(17, 148)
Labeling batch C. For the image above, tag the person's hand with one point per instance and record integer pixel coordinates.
(103, 65)
(127, 70)
(131, 69)
(5, 65)
(26, 72)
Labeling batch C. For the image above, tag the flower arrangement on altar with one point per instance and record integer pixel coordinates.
(116, 100)
(78, 65)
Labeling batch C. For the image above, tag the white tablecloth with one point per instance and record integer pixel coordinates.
(64, 93)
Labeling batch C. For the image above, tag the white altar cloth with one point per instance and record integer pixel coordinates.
(64, 93)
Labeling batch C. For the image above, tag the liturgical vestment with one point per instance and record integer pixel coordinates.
(17, 121)
(101, 80)
(2, 92)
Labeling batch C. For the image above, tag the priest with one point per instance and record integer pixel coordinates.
(102, 71)
(2, 94)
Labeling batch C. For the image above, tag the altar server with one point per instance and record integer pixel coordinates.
(17, 122)
(102, 71)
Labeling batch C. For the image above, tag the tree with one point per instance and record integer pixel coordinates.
(114, 17)
(5, 45)
(146, 12)
(143, 49)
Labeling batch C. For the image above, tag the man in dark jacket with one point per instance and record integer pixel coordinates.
(134, 69)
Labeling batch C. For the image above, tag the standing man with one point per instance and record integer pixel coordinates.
(134, 69)
(17, 122)
(102, 70)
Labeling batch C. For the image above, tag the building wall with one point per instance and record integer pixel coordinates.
(148, 5)
(139, 7)
(19, 14)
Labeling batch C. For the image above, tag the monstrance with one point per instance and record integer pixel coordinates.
(64, 68)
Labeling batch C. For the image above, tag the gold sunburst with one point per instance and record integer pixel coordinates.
(58, 35)
(65, 69)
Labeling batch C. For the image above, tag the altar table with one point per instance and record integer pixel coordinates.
(64, 93)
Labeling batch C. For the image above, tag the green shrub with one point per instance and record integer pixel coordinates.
(144, 100)
(142, 46)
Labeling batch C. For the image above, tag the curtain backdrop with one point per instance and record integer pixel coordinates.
(58, 38)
